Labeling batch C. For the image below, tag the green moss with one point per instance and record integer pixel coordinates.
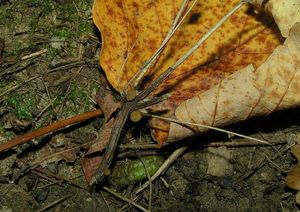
(46, 4)
(22, 104)
(45, 19)
(5, 14)
(78, 100)
(7, 134)
(53, 52)
(63, 33)
(85, 27)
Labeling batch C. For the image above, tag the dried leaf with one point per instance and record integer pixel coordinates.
(285, 12)
(90, 165)
(68, 155)
(107, 102)
(132, 31)
(102, 139)
(249, 92)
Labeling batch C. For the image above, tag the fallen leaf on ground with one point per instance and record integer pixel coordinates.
(133, 30)
(107, 102)
(273, 86)
(90, 163)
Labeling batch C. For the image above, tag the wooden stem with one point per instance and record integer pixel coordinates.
(50, 128)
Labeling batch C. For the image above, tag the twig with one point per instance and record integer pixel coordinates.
(55, 203)
(261, 164)
(45, 108)
(19, 66)
(50, 128)
(208, 34)
(45, 173)
(128, 204)
(132, 153)
(136, 79)
(73, 64)
(149, 181)
(63, 67)
(172, 68)
(208, 127)
(124, 199)
(19, 85)
(106, 203)
(139, 146)
(164, 166)
(240, 143)
(34, 54)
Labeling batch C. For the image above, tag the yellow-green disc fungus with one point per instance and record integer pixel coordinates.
(129, 172)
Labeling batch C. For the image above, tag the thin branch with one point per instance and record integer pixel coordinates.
(50, 128)
(240, 143)
(208, 127)
(175, 25)
(124, 199)
(207, 35)
(172, 68)
(18, 85)
(54, 203)
(149, 181)
(106, 203)
(34, 54)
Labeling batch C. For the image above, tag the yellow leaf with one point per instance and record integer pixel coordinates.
(132, 31)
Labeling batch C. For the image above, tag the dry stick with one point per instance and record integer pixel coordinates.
(138, 146)
(136, 198)
(106, 203)
(261, 164)
(48, 174)
(19, 85)
(55, 203)
(34, 54)
(208, 127)
(143, 94)
(120, 120)
(150, 183)
(246, 142)
(131, 153)
(274, 164)
(207, 35)
(46, 108)
(124, 199)
(50, 128)
(136, 79)
(63, 67)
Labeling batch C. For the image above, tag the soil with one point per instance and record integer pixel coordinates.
(49, 71)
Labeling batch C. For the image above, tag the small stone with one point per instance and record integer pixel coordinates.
(218, 162)
(40, 194)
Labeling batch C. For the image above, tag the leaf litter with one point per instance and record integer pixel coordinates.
(187, 175)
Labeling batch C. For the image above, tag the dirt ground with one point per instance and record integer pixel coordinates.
(49, 71)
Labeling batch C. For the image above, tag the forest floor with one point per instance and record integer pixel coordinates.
(49, 71)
